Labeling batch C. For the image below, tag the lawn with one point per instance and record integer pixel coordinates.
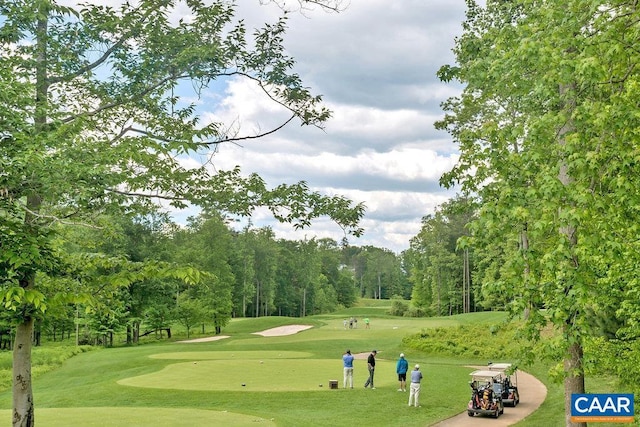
(248, 379)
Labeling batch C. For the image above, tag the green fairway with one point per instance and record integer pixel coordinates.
(286, 378)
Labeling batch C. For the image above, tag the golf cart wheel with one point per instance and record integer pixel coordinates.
(497, 414)
(470, 413)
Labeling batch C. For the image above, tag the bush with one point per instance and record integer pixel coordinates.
(398, 307)
(473, 341)
(414, 311)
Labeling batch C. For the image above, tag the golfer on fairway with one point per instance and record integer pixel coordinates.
(414, 388)
(347, 362)
(371, 366)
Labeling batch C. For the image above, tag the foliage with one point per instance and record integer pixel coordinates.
(481, 341)
(95, 122)
(436, 262)
(190, 311)
(399, 307)
(546, 127)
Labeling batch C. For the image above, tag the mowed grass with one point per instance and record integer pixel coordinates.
(158, 417)
(159, 384)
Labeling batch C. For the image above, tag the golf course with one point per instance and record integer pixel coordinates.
(269, 371)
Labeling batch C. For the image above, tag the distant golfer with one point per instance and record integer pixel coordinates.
(347, 363)
(371, 366)
(366, 323)
(414, 389)
(401, 369)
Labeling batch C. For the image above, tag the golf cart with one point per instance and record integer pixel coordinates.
(486, 393)
(510, 394)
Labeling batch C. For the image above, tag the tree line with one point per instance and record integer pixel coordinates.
(245, 273)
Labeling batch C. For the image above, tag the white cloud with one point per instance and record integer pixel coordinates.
(375, 64)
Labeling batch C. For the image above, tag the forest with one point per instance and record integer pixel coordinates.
(247, 273)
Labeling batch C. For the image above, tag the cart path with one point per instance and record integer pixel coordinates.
(532, 394)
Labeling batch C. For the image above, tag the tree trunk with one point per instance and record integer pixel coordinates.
(23, 410)
(574, 381)
(574, 373)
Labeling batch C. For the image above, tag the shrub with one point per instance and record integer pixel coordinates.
(474, 341)
(398, 307)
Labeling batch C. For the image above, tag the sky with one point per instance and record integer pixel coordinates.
(375, 65)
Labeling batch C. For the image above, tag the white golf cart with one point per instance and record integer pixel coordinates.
(486, 393)
(510, 394)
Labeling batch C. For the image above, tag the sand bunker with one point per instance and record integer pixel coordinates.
(273, 332)
(207, 339)
(283, 330)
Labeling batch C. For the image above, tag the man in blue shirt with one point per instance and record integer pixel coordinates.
(401, 369)
(347, 363)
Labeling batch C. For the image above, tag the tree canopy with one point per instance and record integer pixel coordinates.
(92, 123)
(547, 129)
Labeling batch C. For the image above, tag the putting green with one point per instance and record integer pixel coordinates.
(259, 375)
(139, 417)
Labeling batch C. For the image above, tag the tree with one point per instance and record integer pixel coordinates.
(439, 266)
(546, 126)
(205, 244)
(92, 123)
(241, 261)
(190, 311)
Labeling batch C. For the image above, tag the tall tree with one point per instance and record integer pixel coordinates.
(91, 122)
(242, 261)
(206, 244)
(546, 126)
(439, 265)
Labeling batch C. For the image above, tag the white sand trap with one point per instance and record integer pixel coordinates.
(283, 330)
(207, 339)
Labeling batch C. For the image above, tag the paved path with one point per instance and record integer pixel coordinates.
(532, 394)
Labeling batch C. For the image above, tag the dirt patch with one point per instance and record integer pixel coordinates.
(207, 339)
(283, 330)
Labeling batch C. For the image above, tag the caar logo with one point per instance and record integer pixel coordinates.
(617, 408)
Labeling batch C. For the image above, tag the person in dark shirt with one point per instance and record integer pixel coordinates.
(371, 366)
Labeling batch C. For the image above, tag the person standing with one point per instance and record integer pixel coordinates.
(366, 323)
(414, 388)
(371, 366)
(347, 363)
(401, 369)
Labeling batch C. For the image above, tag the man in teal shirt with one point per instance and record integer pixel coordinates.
(401, 369)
